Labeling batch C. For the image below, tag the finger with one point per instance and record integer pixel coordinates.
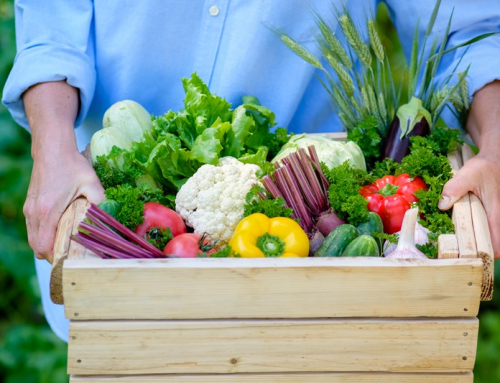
(48, 215)
(495, 239)
(455, 189)
(494, 224)
(31, 228)
(93, 192)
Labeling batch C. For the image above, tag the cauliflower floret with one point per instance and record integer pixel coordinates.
(212, 200)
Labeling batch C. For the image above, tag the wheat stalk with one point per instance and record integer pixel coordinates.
(352, 36)
(345, 79)
(437, 99)
(334, 44)
(382, 108)
(357, 108)
(464, 92)
(372, 100)
(344, 106)
(375, 42)
(301, 51)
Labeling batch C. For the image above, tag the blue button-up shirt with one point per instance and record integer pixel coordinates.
(113, 50)
(127, 49)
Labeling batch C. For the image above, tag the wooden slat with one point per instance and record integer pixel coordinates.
(447, 246)
(64, 248)
(339, 136)
(482, 234)
(355, 377)
(271, 288)
(241, 346)
(461, 215)
(467, 153)
(462, 219)
(455, 159)
(484, 246)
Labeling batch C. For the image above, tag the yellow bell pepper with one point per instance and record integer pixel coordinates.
(258, 236)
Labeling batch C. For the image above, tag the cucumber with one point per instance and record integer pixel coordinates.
(362, 246)
(335, 243)
(374, 224)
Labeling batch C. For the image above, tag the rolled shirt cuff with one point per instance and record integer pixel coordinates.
(45, 63)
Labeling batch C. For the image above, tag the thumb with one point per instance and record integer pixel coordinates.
(93, 192)
(455, 189)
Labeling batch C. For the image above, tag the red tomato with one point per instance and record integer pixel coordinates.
(187, 246)
(157, 215)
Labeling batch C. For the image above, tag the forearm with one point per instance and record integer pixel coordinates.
(484, 119)
(51, 108)
(60, 173)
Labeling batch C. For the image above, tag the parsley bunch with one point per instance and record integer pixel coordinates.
(343, 193)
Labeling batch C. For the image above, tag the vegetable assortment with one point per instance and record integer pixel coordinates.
(212, 181)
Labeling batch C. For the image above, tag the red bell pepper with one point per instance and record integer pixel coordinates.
(390, 197)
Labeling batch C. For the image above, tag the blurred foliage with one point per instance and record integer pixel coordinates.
(29, 351)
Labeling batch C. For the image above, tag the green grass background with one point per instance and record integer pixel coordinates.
(29, 351)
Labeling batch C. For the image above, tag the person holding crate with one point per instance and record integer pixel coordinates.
(75, 59)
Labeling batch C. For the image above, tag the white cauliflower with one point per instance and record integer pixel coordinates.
(212, 200)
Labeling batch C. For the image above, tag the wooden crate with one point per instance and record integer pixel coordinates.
(276, 320)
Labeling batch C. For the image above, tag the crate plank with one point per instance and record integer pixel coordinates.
(484, 245)
(447, 246)
(242, 346)
(462, 219)
(455, 159)
(355, 377)
(482, 234)
(271, 288)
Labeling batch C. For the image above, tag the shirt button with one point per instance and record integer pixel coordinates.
(214, 10)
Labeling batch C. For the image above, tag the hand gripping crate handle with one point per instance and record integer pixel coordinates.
(65, 248)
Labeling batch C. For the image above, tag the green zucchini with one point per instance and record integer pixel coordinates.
(362, 246)
(335, 243)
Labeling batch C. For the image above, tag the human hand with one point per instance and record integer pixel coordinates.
(57, 179)
(481, 176)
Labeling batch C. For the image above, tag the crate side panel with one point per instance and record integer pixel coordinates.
(267, 288)
(259, 346)
(361, 377)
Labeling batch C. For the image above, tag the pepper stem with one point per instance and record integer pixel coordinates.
(271, 245)
(388, 189)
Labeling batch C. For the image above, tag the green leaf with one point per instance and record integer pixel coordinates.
(208, 145)
(466, 43)
(241, 128)
(201, 103)
(171, 163)
(255, 158)
(432, 20)
(412, 80)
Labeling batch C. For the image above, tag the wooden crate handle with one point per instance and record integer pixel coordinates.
(482, 235)
(63, 247)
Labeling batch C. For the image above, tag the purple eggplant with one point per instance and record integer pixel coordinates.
(415, 123)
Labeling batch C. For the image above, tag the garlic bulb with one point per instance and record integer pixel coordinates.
(406, 248)
(421, 238)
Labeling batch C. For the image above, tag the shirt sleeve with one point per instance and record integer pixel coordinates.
(470, 19)
(54, 43)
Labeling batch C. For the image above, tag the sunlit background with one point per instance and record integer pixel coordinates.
(29, 351)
